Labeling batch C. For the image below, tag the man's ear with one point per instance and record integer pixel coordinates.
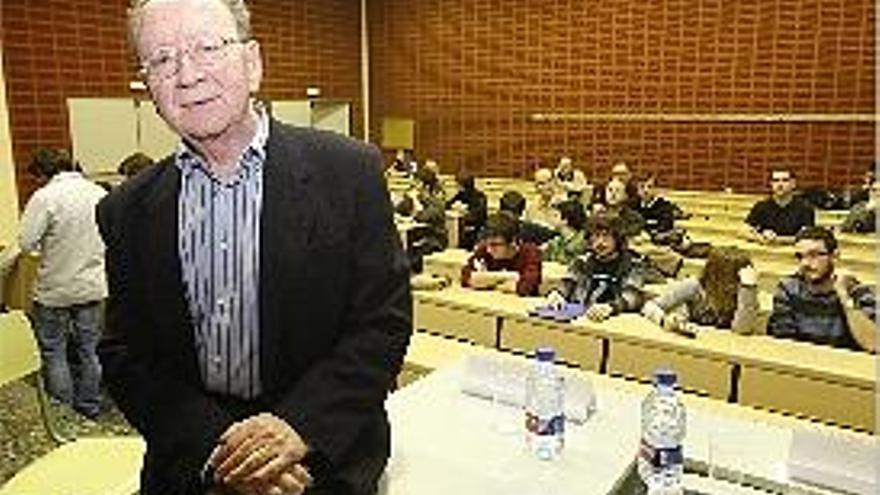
(254, 61)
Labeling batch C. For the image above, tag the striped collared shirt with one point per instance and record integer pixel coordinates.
(219, 243)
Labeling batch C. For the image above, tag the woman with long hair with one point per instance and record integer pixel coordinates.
(725, 295)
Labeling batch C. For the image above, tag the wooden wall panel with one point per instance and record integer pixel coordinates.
(56, 49)
(470, 72)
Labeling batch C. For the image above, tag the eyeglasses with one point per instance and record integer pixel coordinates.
(165, 62)
(810, 254)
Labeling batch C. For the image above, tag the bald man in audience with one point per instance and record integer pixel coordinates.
(822, 305)
(569, 179)
(543, 211)
(777, 219)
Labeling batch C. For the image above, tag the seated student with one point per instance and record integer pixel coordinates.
(425, 205)
(403, 164)
(473, 203)
(615, 203)
(863, 192)
(543, 210)
(432, 165)
(725, 295)
(608, 279)
(658, 212)
(134, 163)
(501, 261)
(775, 220)
(515, 203)
(571, 181)
(570, 243)
(862, 218)
(622, 172)
(820, 306)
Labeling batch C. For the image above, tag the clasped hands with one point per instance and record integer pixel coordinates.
(261, 455)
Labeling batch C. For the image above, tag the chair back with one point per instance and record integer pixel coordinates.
(19, 354)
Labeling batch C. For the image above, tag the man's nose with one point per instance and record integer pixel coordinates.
(189, 73)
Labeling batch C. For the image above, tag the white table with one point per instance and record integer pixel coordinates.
(445, 442)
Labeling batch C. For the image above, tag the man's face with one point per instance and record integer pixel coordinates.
(499, 248)
(199, 73)
(815, 262)
(544, 183)
(602, 243)
(874, 193)
(646, 189)
(615, 193)
(781, 184)
(565, 164)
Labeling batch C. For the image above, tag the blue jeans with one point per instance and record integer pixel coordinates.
(81, 324)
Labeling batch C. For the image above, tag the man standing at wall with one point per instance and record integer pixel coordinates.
(259, 304)
(59, 223)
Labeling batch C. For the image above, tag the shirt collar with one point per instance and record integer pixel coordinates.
(61, 176)
(187, 160)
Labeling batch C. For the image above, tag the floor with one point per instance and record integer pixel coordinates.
(22, 437)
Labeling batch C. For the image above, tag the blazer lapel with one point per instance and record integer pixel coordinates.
(286, 219)
(160, 263)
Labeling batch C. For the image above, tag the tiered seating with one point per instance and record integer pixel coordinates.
(718, 217)
(761, 371)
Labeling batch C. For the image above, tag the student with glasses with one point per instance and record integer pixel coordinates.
(259, 305)
(822, 305)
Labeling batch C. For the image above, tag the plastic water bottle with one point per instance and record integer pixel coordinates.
(660, 458)
(545, 407)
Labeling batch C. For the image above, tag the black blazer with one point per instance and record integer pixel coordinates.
(335, 313)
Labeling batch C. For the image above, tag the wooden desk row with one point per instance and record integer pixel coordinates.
(857, 258)
(857, 245)
(827, 384)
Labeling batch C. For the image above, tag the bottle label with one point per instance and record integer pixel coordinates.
(545, 426)
(661, 457)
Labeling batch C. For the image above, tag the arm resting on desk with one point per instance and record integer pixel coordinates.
(861, 316)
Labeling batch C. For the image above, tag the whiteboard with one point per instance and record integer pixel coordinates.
(155, 138)
(103, 132)
(331, 117)
(297, 113)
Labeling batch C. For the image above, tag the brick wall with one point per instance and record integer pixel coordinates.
(470, 72)
(56, 49)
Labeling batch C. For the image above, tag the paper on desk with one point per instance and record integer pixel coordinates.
(490, 377)
(833, 461)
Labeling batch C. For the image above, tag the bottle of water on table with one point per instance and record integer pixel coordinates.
(545, 407)
(660, 459)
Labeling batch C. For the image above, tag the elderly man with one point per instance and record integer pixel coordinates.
(259, 303)
(543, 210)
(570, 180)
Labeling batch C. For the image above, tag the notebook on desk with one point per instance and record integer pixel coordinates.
(563, 313)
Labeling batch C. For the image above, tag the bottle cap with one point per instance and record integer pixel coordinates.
(545, 354)
(665, 376)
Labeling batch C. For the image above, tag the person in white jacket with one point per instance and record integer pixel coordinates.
(59, 223)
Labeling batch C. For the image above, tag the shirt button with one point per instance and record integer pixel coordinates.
(223, 246)
(217, 360)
